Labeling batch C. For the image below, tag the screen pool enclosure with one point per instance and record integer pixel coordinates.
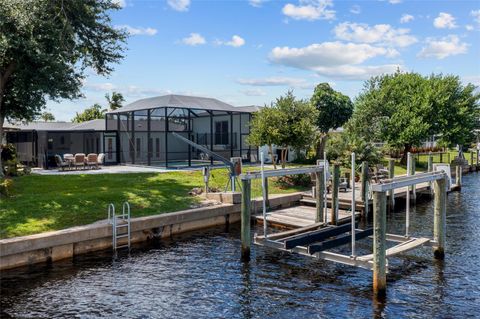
(141, 133)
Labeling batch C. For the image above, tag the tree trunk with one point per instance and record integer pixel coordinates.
(2, 120)
(406, 149)
(3, 83)
(270, 148)
(321, 146)
(283, 156)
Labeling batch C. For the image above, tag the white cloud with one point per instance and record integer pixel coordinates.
(194, 39)
(179, 5)
(406, 18)
(383, 34)
(395, 1)
(335, 59)
(443, 47)
(476, 15)
(256, 3)
(469, 27)
(474, 79)
(254, 92)
(121, 3)
(236, 42)
(444, 21)
(99, 86)
(276, 81)
(138, 31)
(310, 10)
(355, 9)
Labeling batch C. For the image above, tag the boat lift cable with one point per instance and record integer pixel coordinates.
(222, 159)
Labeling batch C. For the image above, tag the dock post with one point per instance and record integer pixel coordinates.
(265, 183)
(245, 224)
(458, 176)
(391, 174)
(379, 243)
(471, 161)
(430, 169)
(335, 184)
(439, 221)
(413, 188)
(319, 189)
(430, 162)
(364, 188)
(478, 155)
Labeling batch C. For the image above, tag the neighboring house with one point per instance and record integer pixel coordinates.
(141, 132)
(38, 142)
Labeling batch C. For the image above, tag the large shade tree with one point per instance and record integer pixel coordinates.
(334, 109)
(265, 129)
(404, 109)
(46, 47)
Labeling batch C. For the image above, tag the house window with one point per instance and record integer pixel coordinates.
(221, 132)
(138, 147)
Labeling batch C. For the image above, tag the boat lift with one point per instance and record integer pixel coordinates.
(233, 172)
(317, 239)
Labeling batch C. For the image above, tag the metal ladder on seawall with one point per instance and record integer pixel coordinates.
(119, 223)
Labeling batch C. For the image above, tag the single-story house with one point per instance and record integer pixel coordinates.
(38, 142)
(142, 132)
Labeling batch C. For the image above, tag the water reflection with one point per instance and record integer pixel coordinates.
(202, 276)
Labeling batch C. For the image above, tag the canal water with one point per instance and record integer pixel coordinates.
(202, 277)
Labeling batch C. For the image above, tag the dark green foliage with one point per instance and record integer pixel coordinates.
(115, 100)
(287, 181)
(92, 113)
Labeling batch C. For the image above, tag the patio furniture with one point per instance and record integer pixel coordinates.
(92, 160)
(343, 184)
(60, 163)
(100, 158)
(79, 160)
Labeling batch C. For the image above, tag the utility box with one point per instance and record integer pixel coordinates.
(237, 165)
(447, 170)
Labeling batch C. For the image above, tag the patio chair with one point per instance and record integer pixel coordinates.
(79, 160)
(92, 160)
(68, 157)
(343, 184)
(100, 158)
(60, 163)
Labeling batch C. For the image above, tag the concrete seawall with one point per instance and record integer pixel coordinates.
(62, 244)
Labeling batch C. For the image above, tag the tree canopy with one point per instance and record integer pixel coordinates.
(115, 100)
(287, 122)
(92, 113)
(46, 47)
(47, 117)
(334, 109)
(404, 109)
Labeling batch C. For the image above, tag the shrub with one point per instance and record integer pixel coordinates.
(6, 187)
(287, 181)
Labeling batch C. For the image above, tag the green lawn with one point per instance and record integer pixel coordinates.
(45, 203)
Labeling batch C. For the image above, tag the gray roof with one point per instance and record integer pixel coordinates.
(95, 125)
(180, 101)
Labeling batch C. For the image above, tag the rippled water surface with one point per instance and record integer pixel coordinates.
(202, 277)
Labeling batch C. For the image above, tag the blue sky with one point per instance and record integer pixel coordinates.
(249, 52)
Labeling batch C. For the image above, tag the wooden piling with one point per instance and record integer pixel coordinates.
(364, 187)
(319, 190)
(335, 184)
(471, 161)
(267, 202)
(413, 188)
(439, 221)
(379, 243)
(430, 162)
(458, 176)
(391, 193)
(245, 219)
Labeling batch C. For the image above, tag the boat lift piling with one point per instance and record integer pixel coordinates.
(317, 239)
(391, 194)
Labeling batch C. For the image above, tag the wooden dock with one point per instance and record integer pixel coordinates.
(299, 216)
